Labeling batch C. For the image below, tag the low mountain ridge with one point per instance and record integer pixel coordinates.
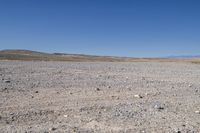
(28, 55)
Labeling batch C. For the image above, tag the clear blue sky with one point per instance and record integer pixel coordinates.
(138, 28)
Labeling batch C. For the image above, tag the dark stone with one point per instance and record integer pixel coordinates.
(7, 81)
(53, 129)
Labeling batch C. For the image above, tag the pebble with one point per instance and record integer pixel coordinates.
(53, 129)
(197, 112)
(97, 89)
(138, 96)
(65, 116)
(5, 89)
(7, 81)
(158, 106)
(11, 113)
(184, 125)
(176, 130)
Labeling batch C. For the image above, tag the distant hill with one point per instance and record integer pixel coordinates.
(28, 55)
(185, 56)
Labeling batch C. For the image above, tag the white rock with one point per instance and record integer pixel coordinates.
(138, 96)
(197, 112)
(65, 116)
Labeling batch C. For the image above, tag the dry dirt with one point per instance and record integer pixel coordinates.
(140, 97)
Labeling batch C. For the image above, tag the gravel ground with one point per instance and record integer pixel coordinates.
(142, 97)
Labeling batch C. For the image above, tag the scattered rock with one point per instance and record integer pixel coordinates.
(177, 130)
(97, 89)
(11, 113)
(134, 107)
(13, 118)
(53, 129)
(7, 81)
(184, 125)
(197, 112)
(115, 97)
(159, 106)
(4, 89)
(99, 76)
(138, 96)
(65, 116)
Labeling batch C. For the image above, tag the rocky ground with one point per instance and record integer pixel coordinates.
(142, 97)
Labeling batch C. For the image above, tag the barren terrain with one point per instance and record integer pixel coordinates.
(139, 97)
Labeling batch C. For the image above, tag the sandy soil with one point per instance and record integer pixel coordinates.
(99, 97)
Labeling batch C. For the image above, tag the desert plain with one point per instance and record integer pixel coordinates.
(108, 97)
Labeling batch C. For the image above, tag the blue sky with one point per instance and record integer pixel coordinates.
(137, 28)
